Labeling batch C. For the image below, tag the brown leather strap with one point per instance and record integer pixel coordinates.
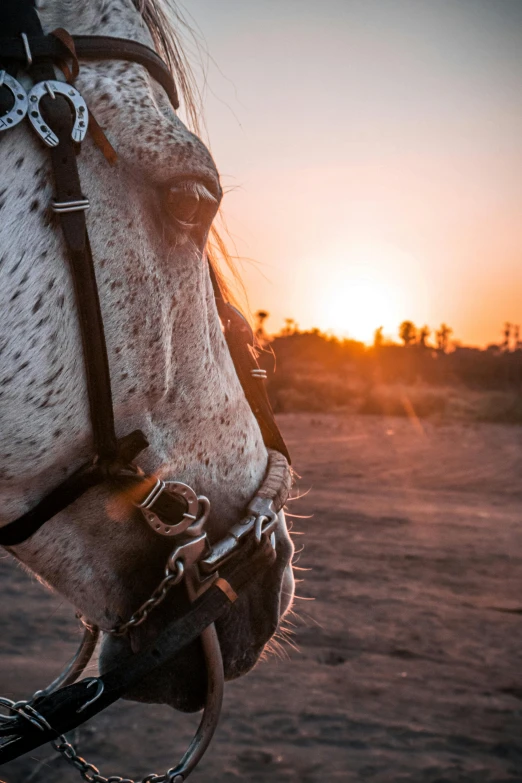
(240, 341)
(102, 142)
(68, 188)
(96, 131)
(70, 490)
(68, 41)
(57, 113)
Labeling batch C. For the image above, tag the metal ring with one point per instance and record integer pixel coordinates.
(199, 522)
(26, 711)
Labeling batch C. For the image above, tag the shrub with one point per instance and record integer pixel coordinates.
(310, 393)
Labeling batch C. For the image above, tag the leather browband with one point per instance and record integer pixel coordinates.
(93, 47)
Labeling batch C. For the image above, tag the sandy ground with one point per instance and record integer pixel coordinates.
(408, 637)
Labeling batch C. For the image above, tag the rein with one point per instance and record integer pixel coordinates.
(61, 119)
(69, 707)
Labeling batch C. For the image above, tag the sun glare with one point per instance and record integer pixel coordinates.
(370, 286)
(357, 308)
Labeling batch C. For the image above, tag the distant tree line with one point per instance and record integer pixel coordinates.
(410, 335)
(306, 358)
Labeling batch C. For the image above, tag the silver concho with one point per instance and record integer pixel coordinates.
(19, 109)
(53, 88)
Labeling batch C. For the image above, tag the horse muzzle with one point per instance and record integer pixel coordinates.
(242, 633)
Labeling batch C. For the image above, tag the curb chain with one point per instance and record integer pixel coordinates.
(91, 774)
(88, 771)
(170, 579)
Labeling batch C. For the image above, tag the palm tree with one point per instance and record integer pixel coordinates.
(290, 327)
(378, 337)
(507, 335)
(260, 317)
(424, 333)
(442, 336)
(408, 332)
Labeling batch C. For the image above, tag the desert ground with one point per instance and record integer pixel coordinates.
(405, 664)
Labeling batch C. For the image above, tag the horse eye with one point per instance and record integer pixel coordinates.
(183, 205)
(187, 203)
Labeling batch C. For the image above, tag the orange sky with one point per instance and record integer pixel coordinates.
(374, 155)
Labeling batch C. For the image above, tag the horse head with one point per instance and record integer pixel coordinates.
(171, 371)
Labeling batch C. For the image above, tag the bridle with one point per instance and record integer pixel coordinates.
(213, 575)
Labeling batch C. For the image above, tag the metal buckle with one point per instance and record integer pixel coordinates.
(19, 109)
(261, 520)
(53, 88)
(193, 521)
(190, 552)
(224, 549)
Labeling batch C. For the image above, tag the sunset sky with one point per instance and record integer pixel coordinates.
(373, 149)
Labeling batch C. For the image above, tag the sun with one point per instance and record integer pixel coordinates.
(367, 287)
(357, 308)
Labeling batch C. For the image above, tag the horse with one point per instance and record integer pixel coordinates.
(171, 371)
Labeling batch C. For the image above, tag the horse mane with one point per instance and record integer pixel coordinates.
(163, 19)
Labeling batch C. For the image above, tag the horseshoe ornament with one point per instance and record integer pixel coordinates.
(191, 519)
(18, 111)
(53, 88)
